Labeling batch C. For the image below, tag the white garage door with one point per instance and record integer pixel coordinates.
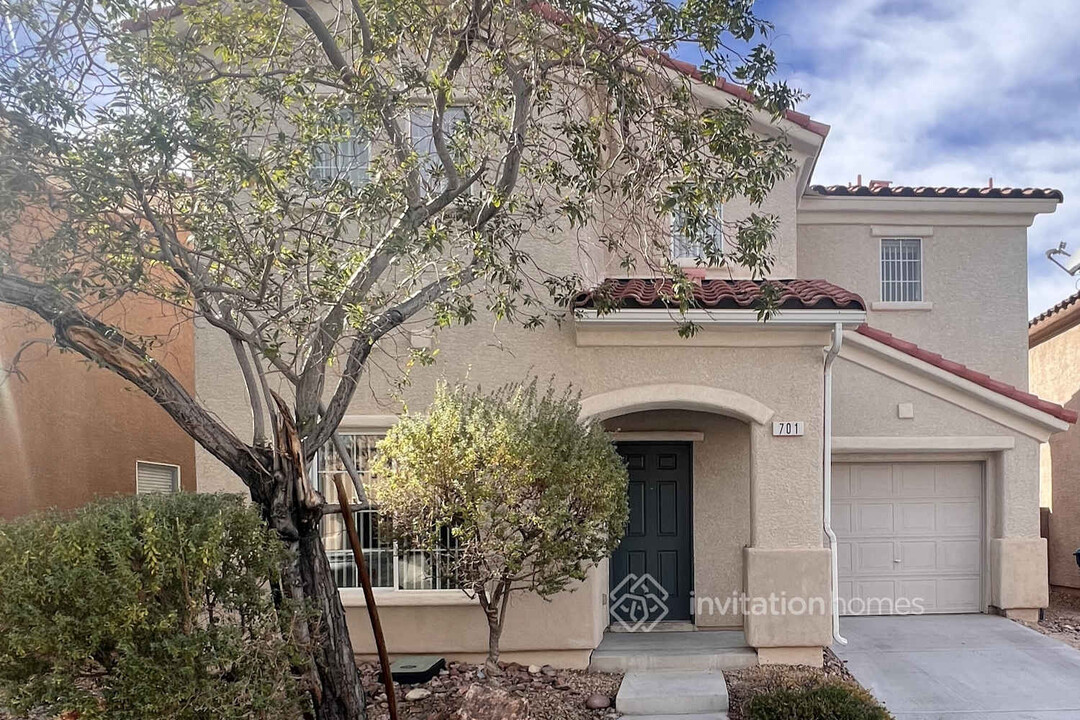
(909, 534)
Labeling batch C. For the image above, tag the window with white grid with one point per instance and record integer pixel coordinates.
(344, 159)
(391, 564)
(423, 141)
(686, 247)
(901, 270)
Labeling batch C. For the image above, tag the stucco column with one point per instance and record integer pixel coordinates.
(787, 570)
(1018, 568)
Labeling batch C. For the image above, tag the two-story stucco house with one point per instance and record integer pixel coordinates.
(873, 442)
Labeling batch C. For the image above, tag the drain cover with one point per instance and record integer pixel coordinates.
(412, 669)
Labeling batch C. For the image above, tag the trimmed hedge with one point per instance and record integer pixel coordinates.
(827, 701)
(145, 607)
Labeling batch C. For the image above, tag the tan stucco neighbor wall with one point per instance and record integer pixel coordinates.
(1055, 376)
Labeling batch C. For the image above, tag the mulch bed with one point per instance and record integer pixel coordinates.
(745, 684)
(1062, 619)
(553, 694)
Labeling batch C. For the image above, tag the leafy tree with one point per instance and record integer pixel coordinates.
(310, 180)
(145, 607)
(530, 495)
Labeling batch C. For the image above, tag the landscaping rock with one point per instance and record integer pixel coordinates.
(549, 671)
(596, 701)
(534, 669)
(417, 694)
(483, 702)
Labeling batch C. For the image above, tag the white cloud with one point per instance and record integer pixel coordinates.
(947, 94)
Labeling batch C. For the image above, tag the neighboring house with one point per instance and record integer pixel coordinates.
(70, 433)
(737, 449)
(1054, 357)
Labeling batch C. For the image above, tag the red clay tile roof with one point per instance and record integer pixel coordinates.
(967, 373)
(720, 293)
(936, 192)
(1047, 314)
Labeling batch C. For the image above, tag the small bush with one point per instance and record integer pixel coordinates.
(144, 607)
(827, 701)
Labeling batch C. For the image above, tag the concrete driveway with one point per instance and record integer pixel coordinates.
(957, 667)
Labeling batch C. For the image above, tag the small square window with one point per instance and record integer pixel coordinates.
(157, 478)
(686, 246)
(901, 270)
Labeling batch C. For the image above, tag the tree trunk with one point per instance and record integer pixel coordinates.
(342, 696)
(491, 665)
(308, 582)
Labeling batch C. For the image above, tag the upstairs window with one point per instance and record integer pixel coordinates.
(391, 565)
(345, 159)
(901, 270)
(431, 167)
(686, 247)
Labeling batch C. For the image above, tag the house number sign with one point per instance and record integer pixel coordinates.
(787, 429)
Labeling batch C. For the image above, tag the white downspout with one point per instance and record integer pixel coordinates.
(830, 356)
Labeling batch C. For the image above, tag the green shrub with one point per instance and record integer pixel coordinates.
(828, 701)
(145, 607)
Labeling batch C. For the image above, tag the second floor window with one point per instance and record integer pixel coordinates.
(901, 270)
(687, 246)
(431, 167)
(391, 564)
(346, 159)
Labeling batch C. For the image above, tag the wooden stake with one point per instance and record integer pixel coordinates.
(369, 594)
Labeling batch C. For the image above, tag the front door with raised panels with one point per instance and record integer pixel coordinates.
(654, 560)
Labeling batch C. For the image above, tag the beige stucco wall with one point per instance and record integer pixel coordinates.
(1055, 376)
(964, 268)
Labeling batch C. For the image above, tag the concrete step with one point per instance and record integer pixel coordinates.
(672, 693)
(702, 650)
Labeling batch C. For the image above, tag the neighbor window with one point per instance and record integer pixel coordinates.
(345, 159)
(159, 478)
(684, 247)
(390, 564)
(901, 270)
(424, 142)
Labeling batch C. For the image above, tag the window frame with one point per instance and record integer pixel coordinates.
(177, 487)
(887, 304)
(358, 142)
(674, 237)
(394, 593)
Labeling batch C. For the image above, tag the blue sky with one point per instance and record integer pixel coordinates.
(946, 93)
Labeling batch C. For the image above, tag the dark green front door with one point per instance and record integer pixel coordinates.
(652, 569)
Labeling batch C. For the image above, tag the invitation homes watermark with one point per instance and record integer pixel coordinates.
(640, 602)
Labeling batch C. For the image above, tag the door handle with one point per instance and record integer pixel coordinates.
(896, 560)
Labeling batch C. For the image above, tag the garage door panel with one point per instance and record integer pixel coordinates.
(916, 480)
(958, 595)
(961, 480)
(874, 518)
(915, 517)
(958, 517)
(871, 481)
(910, 533)
(873, 557)
(841, 517)
(841, 484)
(960, 556)
(918, 556)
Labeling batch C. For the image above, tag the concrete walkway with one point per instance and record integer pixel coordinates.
(959, 667)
